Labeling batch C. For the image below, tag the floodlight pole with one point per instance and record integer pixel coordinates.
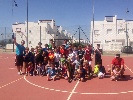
(27, 23)
(126, 30)
(93, 25)
(79, 35)
(40, 33)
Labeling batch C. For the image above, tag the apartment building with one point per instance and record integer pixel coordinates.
(41, 31)
(112, 33)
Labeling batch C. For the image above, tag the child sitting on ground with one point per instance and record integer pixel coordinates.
(116, 73)
(51, 73)
(81, 72)
(64, 71)
(99, 70)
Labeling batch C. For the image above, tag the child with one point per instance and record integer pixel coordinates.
(102, 71)
(69, 70)
(81, 72)
(64, 70)
(27, 57)
(40, 69)
(116, 73)
(87, 68)
(51, 73)
(51, 55)
(57, 59)
(99, 70)
(76, 63)
(62, 60)
(30, 68)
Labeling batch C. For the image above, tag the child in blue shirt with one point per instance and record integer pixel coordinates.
(51, 73)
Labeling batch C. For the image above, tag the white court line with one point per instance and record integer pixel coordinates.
(11, 82)
(73, 91)
(129, 69)
(99, 93)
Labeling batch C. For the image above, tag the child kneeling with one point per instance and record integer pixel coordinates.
(51, 73)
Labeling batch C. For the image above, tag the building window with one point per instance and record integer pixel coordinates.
(109, 18)
(96, 32)
(18, 29)
(113, 40)
(29, 31)
(109, 31)
(120, 31)
(29, 42)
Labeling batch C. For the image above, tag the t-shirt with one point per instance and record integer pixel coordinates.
(80, 54)
(96, 69)
(50, 46)
(77, 63)
(51, 55)
(20, 49)
(57, 57)
(97, 54)
(118, 62)
(71, 56)
(88, 54)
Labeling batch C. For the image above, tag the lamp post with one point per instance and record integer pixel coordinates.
(2, 38)
(2, 35)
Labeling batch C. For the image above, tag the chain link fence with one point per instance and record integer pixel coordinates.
(5, 37)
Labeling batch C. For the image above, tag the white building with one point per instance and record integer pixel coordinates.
(112, 33)
(41, 31)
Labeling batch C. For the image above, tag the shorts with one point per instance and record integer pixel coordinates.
(19, 60)
(82, 76)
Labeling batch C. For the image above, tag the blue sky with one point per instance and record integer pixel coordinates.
(67, 13)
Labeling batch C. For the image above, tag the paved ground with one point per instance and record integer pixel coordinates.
(19, 87)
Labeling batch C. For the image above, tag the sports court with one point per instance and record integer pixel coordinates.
(20, 87)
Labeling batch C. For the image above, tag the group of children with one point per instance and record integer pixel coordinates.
(65, 61)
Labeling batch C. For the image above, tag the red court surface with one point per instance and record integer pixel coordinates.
(20, 87)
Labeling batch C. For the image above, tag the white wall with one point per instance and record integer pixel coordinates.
(48, 31)
(108, 34)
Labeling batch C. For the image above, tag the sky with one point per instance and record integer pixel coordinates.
(70, 14)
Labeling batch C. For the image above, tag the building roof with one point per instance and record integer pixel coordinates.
(47, 20)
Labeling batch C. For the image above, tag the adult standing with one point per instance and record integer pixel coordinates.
(20, 51)
(118, 61)
(98, 54)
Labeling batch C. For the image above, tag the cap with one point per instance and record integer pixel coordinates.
(117, 55)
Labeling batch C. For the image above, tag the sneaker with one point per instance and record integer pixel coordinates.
(19, 73)
(48, 79)
(69, 80)
(74, 79)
